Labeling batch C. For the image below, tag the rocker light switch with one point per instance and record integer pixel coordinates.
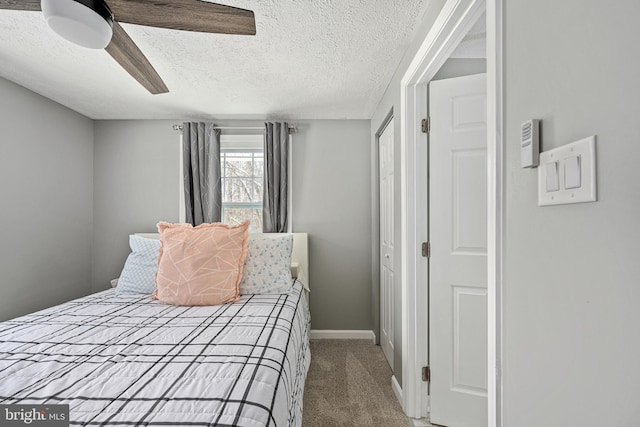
(552, 176)
(572, 172)
(567, 174)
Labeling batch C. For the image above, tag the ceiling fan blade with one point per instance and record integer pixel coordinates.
(33, 5)
(188, 15)
(129, 56)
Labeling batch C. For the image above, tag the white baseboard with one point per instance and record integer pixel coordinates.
(321, 334)
(397, 390)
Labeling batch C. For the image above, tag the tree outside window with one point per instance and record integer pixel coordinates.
(242, 182)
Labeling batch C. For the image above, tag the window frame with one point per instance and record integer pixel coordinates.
(241, 144)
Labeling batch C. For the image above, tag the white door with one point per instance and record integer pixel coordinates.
(458, 263)
(385, 151)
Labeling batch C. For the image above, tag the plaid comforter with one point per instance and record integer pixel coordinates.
(130, 360)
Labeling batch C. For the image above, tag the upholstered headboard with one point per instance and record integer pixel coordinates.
(299, 256)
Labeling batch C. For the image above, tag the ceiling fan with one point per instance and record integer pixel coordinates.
(94, 24)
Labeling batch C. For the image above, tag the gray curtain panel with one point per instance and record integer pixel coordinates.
(275, 216)
(201, 166)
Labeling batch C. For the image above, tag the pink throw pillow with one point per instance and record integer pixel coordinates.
(200, 265)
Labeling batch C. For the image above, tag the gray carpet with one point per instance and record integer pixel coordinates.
(349, 384)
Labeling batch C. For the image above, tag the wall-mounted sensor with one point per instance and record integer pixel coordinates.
(530, 144)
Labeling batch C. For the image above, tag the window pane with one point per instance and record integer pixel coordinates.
(258, 169)
(238, 190)
(256, 220)
(257, 190)
(242, 182)
(238, 164)
(237, 215)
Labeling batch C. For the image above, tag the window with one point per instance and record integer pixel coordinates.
(242, 161)
(242, 173)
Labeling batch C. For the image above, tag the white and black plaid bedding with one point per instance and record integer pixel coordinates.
(130, 360)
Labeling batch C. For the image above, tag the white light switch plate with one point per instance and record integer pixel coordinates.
(565, 156)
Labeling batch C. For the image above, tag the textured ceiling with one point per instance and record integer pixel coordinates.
(321, 59)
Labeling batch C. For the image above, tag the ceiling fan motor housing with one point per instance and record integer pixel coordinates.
(87, 23)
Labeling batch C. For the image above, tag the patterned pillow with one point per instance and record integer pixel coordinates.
(200, 265)
(138, 274)
(267, 269)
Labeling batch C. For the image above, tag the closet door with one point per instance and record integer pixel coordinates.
(387, 242)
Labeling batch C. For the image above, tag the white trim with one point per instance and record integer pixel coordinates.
(450, 27)
(397, 390)
(385, 123)
(324, 334)
(422, 422)
(495, 209)
(244, 142)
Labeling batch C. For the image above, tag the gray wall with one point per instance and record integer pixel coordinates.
(136, 185)
(46, 186)
(332, 202)
(458, 67)
(136, 178)
(571, 287)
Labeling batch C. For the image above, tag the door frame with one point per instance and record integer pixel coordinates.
(454, 21)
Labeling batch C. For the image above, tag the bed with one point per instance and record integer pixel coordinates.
(130, 360)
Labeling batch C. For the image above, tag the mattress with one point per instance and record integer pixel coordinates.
(130, 360)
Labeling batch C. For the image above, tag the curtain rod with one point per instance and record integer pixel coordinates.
(292, 128)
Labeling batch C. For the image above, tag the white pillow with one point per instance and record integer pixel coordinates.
(139, 273)
(267, 268)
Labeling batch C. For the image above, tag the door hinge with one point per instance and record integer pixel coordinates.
(426, 249)
(426, 373)
(426, 125)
